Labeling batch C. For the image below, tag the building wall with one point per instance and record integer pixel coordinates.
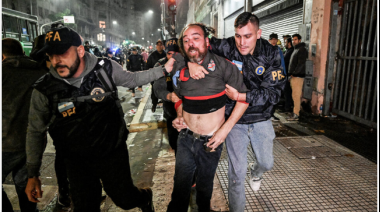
(320, 31)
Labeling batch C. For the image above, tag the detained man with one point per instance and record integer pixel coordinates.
(260, 64)
(200, 117)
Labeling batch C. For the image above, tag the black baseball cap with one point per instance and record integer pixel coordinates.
(273, 35)
(172, 45)
(59, 40)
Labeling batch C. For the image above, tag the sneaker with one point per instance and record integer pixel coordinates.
(293, 117)
(254, 182)
(149, 207)
(274, 118)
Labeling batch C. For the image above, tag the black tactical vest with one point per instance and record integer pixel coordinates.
(88, 120)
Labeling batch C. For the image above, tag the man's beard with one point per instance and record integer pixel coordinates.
(194, 58)
(72, 69)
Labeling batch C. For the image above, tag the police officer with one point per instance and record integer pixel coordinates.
(120, 54)
(77, 103)
(135, 62)
(87, 47)
(109, 55)
(163, 88)
(260, 64)
(152, 60)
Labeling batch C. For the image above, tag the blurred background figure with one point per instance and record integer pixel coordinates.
(135, 63)
(19, 73)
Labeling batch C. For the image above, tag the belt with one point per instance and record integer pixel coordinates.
(196, 135)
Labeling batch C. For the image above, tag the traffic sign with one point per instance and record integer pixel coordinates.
(68, 20)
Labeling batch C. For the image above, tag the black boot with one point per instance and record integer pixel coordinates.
(63, 197)
(148, 206)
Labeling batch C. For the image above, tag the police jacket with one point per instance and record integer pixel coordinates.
(82, 114)
(262, 73)
(162, 87)
(297, 63)
(19, 74)
(154, 57)
(135, 62)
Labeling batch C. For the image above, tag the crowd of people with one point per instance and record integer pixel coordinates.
(214, 92)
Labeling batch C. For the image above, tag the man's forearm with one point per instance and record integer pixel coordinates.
(39, 117)
(242, 97)
(133, 79)
(179, 110)
(235, 116)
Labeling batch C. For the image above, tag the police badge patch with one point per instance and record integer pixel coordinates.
(260, 70)
(97, 91)
(211, 65)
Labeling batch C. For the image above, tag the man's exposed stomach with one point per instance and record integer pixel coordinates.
(205, 124)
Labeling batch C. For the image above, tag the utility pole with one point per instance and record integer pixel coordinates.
(248, 6)
(163, 21)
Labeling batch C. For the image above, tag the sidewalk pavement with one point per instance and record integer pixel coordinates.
(311, 173)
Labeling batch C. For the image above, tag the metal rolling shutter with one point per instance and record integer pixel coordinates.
(282, 23)
(229, 22)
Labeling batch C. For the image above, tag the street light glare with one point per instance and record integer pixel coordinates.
(133, 33)
(114, 22)
(150, 11)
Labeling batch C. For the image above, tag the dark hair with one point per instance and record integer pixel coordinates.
(12, 47)
(207, 30)
(159, 41)
(59, 24)
(246, 17)
(297, 35)
(273, 35)
(289, 40)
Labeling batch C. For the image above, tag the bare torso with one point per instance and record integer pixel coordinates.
(205, 124)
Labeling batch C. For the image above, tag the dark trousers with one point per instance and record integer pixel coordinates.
(60, 171)
(15, 162)
(153, 96)
(190, 156)
(288, 96)
(87, 175)
(172, 133)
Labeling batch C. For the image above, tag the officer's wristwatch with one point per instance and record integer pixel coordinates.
(164, 69)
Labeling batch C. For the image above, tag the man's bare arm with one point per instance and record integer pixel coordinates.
(179, 122)
(221, 134)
